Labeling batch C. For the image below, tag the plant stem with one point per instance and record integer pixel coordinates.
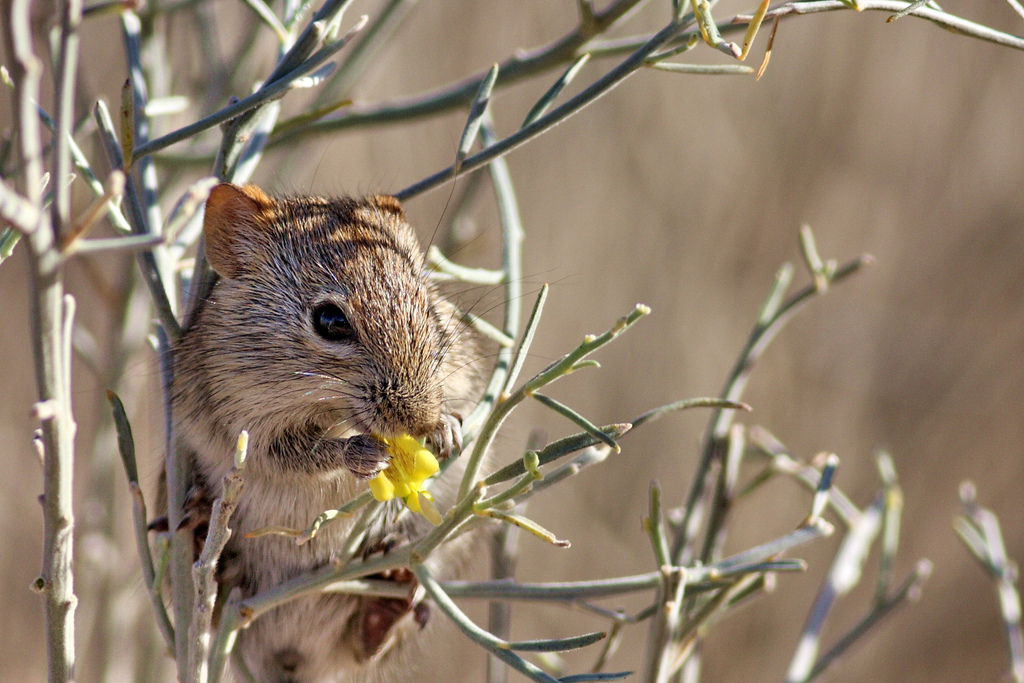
(51, 314)
(204, 570)
(597, 89)
(459, 94)
(774, 315)
(943, 19)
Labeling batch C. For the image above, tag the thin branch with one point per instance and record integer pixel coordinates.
(892, 511)
(227, 632)
(363, 52)
(147, 262)
(555, 450)
(654, 525)
(504, 557)
(131, 28)
(204, 571)
(664, 624)
(781, 462)
(83, 168)
(538, 109)
(126, 447)
(910, 590)
(698, 578)
(773, 317)
(183, 224)
(564, 366)
(460, 94)
(492, 644)
(477, 112)
(553, 592)
(979, 529)
(26, 71)
(317, 581)
(81, 227)
(702, 69)
(64, 107)
(577, 419)
(842, 577)
(943, 19)
(597, 89)
(268, 17)
(274, 88)
(1017, 7)
(178, 473)
(512, 236)
(9, 238)
(486, 329)
(725, 494)
(16, 211)
(441, 269)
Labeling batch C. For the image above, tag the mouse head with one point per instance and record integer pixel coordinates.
(323, 313)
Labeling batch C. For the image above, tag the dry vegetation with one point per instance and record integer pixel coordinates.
(685, 192)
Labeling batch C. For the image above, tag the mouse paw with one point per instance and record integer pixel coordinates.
(365, 455)
(446, 440)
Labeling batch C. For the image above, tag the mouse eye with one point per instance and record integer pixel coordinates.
(330, 322)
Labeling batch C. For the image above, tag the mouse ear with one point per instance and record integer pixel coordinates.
(234, 222)
(388, 203)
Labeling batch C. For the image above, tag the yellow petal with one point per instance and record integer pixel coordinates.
(382, 488)
(425, 465)
(412, 501)
(429, 510)
(404, 444)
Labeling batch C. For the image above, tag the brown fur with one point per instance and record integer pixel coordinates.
(314, 408)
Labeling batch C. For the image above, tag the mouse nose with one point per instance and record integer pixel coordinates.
(416, 413)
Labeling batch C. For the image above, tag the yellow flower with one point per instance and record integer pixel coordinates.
(406, 475)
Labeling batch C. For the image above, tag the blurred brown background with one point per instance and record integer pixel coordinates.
(685, 193)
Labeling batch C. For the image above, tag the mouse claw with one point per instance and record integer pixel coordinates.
(447, 438)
